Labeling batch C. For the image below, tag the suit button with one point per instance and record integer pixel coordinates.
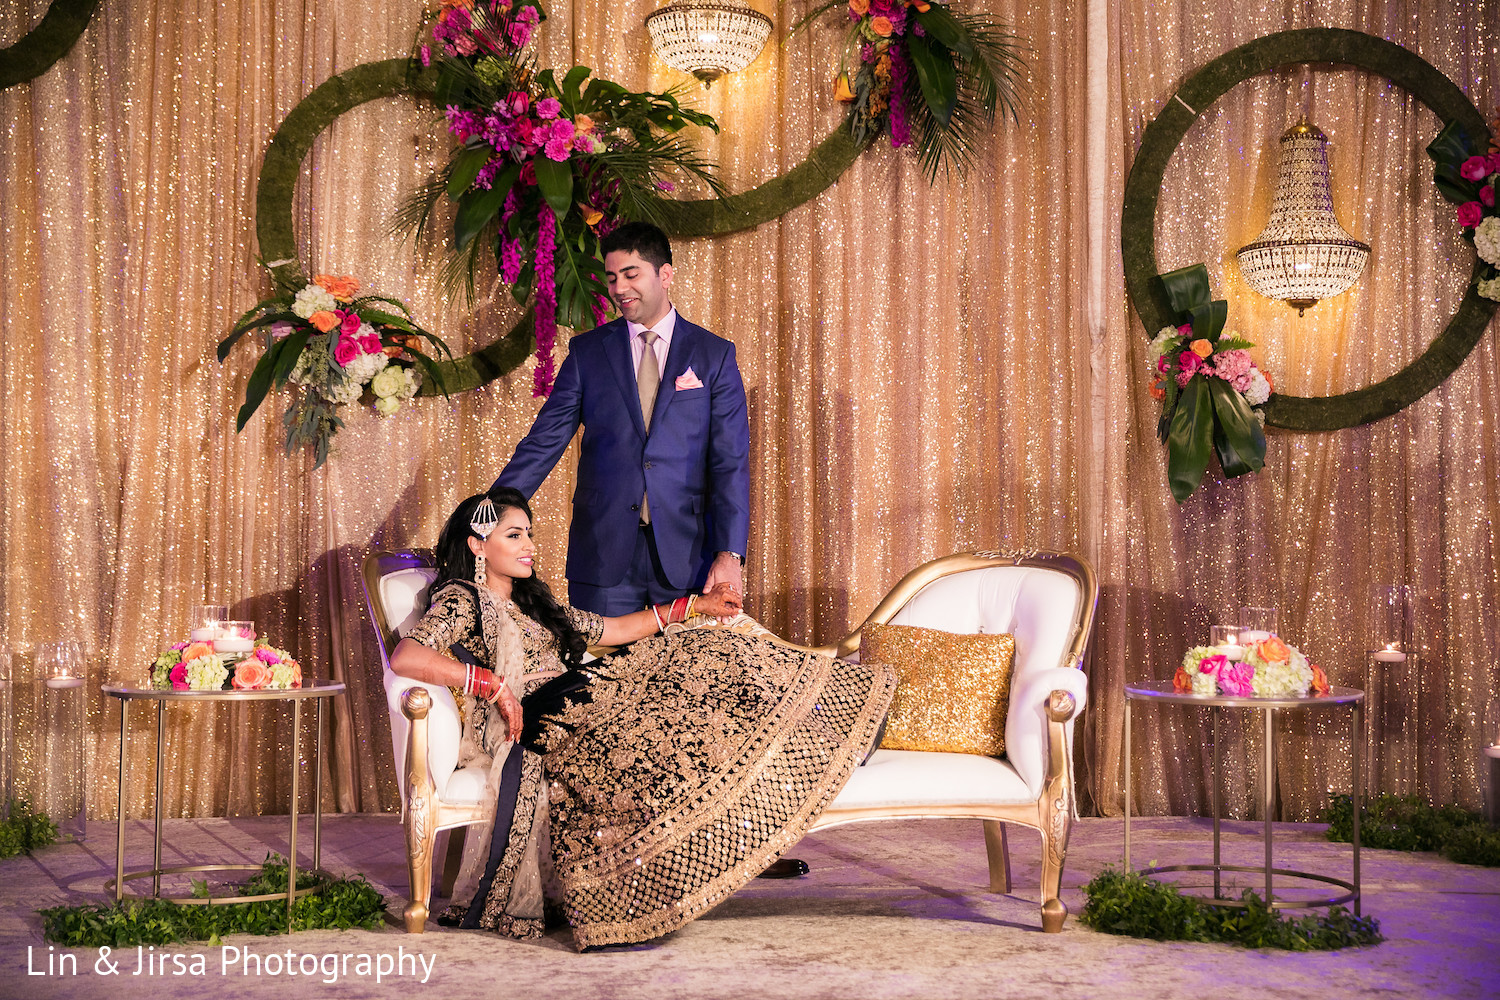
(635, 506)
(648, 465)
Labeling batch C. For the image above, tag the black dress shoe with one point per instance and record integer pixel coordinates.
(785, 868)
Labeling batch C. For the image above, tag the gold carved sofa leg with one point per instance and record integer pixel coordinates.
(996, 848)
(1056, 810)
(420, 810)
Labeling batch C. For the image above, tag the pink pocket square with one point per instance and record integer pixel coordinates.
(687, 380)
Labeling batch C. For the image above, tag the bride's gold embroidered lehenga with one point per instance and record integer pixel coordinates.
(688, 764)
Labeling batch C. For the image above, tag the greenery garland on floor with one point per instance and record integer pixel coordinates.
(25, 829)
(1134, 905)
(340, 905)
(1406, 823)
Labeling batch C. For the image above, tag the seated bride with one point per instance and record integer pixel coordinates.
(640, 790)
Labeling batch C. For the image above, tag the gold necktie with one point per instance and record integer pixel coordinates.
(647, 381)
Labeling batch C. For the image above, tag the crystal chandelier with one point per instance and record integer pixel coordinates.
(708, 38)
(1303, 254)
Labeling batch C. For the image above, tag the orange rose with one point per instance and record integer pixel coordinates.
(1158, 391)
(1182, 681)
(195, 650)
(341, 287)
(841, 91)
(591, 215)
(250, 674)
(859, 7)
(1320, 680)
(1273, 650)
(1202, 348)
(881, 26)
(583, 123)
(324, 320)
(922, 8)
(391, 350)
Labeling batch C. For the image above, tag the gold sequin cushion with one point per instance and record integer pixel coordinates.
(952, 691)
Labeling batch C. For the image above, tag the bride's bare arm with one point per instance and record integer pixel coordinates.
(721, 602)
(416, 661)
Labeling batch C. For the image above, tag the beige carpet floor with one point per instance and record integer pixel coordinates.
(890, 910)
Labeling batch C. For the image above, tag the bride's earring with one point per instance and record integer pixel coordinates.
(482, 523)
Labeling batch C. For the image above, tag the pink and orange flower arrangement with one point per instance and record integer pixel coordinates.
(934, 77)
(544, 166)
(339, 348)
(1267, 669)
(194, 666)
(1470, 178)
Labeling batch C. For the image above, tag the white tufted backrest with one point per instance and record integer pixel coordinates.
(396, 588)
(1043, 608)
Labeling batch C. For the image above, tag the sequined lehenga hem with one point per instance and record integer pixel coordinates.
(705, 839)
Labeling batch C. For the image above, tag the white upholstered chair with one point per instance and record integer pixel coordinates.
(1046, 600)
(436, 794)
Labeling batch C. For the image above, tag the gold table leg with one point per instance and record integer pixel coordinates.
(1268, 790)
(120, 812)
(291, 861)
(161, 708)
(1127, 783)
(318, 788)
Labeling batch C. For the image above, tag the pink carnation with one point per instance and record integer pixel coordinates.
(426, 56)
(281, 328)
(548, 107)
(558, 149)
(464, 45)
(179, 646)
(562, 129)
(264, 654)
(528, 15)
(346, 351)
(1470, 214)
(1237, 680)
(1475, 168)
(518, 34)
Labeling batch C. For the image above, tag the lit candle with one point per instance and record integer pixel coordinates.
(1256, 635)
(1390, 654)
(1234, 651)
(235, 637)
(207, 633)
(64, 681)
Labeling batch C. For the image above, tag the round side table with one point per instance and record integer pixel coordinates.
(317, 691)
(1161, 693)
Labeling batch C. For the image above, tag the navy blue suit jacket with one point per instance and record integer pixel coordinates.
(694, 464)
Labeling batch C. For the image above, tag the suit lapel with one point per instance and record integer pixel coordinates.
(684, 340)
(617, 354)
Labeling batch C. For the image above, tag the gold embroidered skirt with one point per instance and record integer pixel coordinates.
(701, 758)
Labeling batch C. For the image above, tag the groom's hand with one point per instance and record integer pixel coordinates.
(726, 569)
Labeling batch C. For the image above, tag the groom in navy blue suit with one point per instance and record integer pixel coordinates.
(662, 502)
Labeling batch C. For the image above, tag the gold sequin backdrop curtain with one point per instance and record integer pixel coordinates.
(929, 369)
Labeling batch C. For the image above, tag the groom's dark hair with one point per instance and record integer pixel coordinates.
(639, 238)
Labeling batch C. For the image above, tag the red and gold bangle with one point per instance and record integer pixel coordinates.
(482, 683)
(679, 609)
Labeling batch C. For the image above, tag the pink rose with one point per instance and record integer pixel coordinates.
(1493, 160)
(1189, 362)
(1164, 364)
(350, 326)
(1487, 195)
(548, 107)
(1475, 168)
(1470, 214)
(346, 351)
(1185, 329)
(519, 101)
(371, 344)
(1214, 666)
(1238, 680)
(178, 677)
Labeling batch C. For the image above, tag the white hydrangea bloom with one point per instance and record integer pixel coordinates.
(341, 390)
(1490, 288)
(385, 405)
(1487, 239)
(365, 367)
(207, 673)
(1260, 389)
(1162, 341)
(1205, 685)
(313, 298)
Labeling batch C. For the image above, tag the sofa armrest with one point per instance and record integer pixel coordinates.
(1026, 723)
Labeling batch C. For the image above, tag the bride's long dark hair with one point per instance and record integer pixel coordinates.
(455, 561)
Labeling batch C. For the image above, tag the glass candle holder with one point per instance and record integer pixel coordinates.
(1392, 619)
(235, 638)
(1257, 624)
(203, 624)
(1392, 691)
(1226, 639)
(61, 666)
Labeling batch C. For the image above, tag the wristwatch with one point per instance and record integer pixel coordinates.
(736, 555)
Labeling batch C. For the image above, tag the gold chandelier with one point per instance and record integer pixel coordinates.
(708, 38)
(1303, 254)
